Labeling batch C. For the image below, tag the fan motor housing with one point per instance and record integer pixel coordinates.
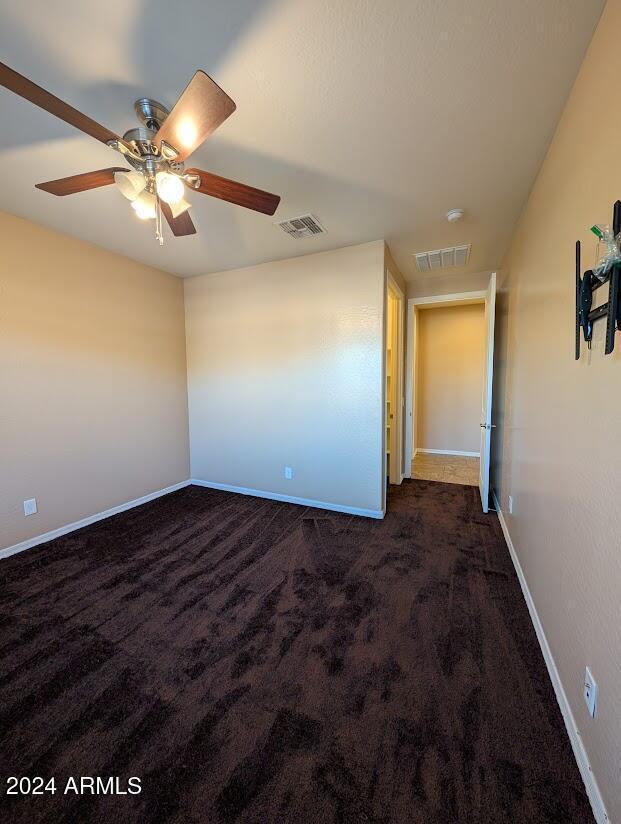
(141, 138)
(151, 114)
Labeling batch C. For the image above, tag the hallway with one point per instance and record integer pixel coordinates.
(450, 469)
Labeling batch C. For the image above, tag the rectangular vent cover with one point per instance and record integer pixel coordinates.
(302, 226)
(442, 258)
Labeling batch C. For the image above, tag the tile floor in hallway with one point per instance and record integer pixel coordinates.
(450, 469)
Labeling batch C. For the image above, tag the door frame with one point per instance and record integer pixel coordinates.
(487, 393)
(398, 377)
(411, 350)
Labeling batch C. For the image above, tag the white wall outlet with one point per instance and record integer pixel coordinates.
(30, 506)
(510, 504)
(289, 473)
(590, 692)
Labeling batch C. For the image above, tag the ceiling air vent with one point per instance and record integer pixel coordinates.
(303, 226)
(442, 258)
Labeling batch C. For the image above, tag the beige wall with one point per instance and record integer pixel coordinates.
(450, 377)
(558, 450)
(447, 283)
(93, 409)
(285, 368)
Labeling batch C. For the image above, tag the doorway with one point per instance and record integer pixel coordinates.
(394, 380)
(449, 387)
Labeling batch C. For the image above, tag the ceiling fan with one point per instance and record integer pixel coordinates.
(156, 151)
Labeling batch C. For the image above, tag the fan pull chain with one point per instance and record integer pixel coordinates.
(158, 221)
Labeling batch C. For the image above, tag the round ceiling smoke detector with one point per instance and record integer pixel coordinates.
(454, 215)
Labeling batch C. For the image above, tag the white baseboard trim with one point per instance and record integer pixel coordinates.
(580, 754)
(291, 499)
(91, 519)
(447, 452)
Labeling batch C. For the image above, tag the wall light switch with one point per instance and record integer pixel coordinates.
(590, 692)
(30, 506)
(288, 473)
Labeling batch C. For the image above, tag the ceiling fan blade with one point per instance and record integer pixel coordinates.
(23, 87)
(234, 192)
(202, 107)
(181, 225)
(80, 183)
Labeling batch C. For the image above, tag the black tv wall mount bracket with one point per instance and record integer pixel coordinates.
(587, 285)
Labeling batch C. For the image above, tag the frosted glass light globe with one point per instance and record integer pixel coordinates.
(144, 206)
(130, 184)
(169, 187)
(180, 207)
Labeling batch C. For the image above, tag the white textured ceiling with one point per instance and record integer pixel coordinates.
(376, 116)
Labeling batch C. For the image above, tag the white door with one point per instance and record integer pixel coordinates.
(486, 401)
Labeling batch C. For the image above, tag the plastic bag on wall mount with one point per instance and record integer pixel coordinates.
(608, 251)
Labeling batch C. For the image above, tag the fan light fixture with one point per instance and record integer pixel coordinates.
(145, 206)
(130, 184)
(169, 187)
(179, 207)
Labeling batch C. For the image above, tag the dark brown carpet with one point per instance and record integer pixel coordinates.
(254, 661)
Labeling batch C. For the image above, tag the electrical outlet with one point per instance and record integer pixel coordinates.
(510, 504)
(288, 473)
(590, 692)
(30, 506)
